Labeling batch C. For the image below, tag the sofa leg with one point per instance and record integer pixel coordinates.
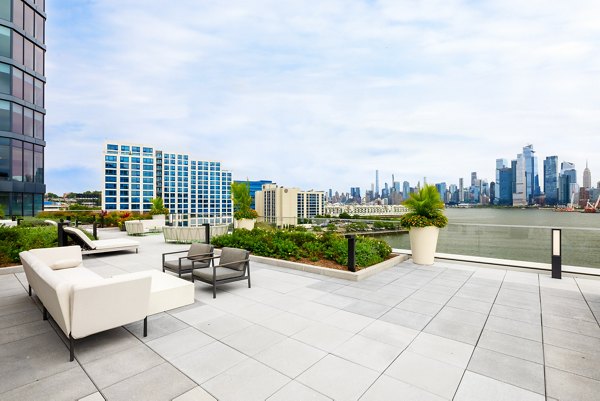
(214, 291)
(29, 290)
(45, 313)
(71, 348)
(146, 326)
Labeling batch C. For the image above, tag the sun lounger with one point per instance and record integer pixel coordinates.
(100, 246)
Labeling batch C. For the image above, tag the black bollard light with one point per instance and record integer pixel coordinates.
(556, 253)
(351, 252)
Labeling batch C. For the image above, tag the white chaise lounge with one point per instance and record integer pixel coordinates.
(99, 246)
(83, 303)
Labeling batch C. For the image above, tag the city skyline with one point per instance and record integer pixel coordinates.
(313, 96)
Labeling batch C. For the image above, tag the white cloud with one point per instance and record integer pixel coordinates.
(320, 94)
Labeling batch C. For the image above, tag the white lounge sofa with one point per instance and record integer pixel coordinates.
(139, 227)
(80, 301)
(99, 246)
(187, 235)
(83, 303)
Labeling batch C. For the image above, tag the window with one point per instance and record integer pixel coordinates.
(28, 54)
(17, 118)
(110, 158)
(28, 162)
(39, 27)
(27, 122)
(124, 159)
(17, 83)
(112, 147)
(39, 125)
(4, 115)
(4, 159)
(4, 41)
(29, 20)
(17, 160)
(28, 88)
(38, 95)
(110, 186)
(39, 60)
(4, 78)
(18, 13)
(124, 148)
(5, 10)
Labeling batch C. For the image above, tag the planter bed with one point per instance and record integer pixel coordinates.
(326, 271)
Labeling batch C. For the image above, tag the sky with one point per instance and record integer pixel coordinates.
(320, 94)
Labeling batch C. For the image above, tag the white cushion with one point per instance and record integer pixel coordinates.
(50, 256)
(65, 264)
(114, 243)
(81, 235)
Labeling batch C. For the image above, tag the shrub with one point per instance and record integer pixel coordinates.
(14, 240)
(291, 244)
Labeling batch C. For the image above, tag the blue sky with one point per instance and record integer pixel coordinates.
(320, 94)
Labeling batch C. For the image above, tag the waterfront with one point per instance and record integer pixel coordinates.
(517, 234)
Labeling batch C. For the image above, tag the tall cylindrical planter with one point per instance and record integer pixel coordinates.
(248, 224)
(423, 241)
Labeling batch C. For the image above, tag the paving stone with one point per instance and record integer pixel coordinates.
(290, 357)
(431, 296)
(418, 306)
(93, 397)
(475, 387)
(15, 319)
(367, 352)
(162, 382)
(462, 316)
(158, 326)
(198, 314)
(573, 325)
(251, 340)
(515, 371)
(313, 310)
(522, 315)
(121, 365)
(180, 343)
(366, 308)
(323, 336)
(338, 379)
(348, 321)
(388, 388)
(406, 318)
(514, 328)
(389, 333)
(207, 362)
(470, 305)
(287, 323)
(71, 384)
(337, 301)
(510, 345)
(223, 326)
(583, 364)
(453, 330)
(428, 374)
(195, 394)
(248, 381)
(563, 385)
(455, 353)
(294, 391)
(30, 359)
(572, 341)
(22, 331)
(101, 344)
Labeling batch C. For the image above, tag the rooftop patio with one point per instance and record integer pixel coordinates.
(451, 331)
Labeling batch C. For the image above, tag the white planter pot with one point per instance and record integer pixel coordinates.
(248, 224)
(423, 242)
(158, 217)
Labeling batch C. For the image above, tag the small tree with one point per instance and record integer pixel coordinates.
(158, 207)
(240, 195)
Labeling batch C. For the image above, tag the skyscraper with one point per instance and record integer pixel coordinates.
(532, 181)
(474, 178)
(376, 183)
(567, 182)
(405, 189)
(461, 190)
(500, 163)
(587, 176)
(519, 181)
(22, 82)
(504, 189)
(551, 180)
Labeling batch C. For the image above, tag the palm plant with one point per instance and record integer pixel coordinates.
(240, 195)
(425, 209)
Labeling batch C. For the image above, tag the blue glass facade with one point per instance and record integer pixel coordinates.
(551, 180)
(197, 191)
(255, 186)
(504, 190)
(532, 179)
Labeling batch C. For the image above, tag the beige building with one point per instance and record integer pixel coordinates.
(283, 206)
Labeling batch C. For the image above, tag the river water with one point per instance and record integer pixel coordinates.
(517, 234)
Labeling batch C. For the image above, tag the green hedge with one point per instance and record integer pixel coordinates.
(17, 239)
(287, 244)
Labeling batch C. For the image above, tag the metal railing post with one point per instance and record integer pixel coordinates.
(556, 239)
(351, 252)
(61, 234)
(95, 230)
(206, 232)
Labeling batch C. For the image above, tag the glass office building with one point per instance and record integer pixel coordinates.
(194, 191)
(22, 111)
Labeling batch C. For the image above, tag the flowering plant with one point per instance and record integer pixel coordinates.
(425, 209)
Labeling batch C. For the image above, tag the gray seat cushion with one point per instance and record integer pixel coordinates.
(229, 255)
(221, 274)
(186, 264)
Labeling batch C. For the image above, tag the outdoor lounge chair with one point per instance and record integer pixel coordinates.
(234, 265)
(99, 246)
(198, 256)
(51, 223)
